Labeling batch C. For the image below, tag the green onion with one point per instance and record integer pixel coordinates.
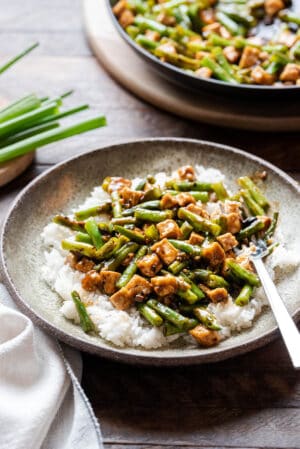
(18, 57)
(30, 144)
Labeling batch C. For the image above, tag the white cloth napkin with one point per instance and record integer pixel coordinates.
(42, 405)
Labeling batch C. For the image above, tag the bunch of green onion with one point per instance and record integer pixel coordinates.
(33, 122)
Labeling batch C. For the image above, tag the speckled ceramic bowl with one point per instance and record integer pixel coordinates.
(67, 184)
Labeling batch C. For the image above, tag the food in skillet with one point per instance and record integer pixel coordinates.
(236, 41)
(146, 261)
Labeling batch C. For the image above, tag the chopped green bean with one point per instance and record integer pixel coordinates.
(85, 321)
(131, 269)
(150, 315)
(244, 295)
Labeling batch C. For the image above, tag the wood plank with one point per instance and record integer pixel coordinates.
(235, 403)
(41, 15)
(59, 43)
(256, 428)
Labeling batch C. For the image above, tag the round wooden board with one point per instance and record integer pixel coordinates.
(11, 169)
(136, 76)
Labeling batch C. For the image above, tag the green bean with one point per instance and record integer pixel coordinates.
(221, 59)
(122, 221)
(169, 5)
(85, 321)
(116, 204)
(194, 288)
(187, 295)
(150, 315)
(141, 184)
(233, 27)
(68, 223)
(177, 266)
(273, 68)
(151, 233)
(152, 215)
(152, 205)
(177, 59)
(137, 5)
(250, 230)
(120, 256)
(148, 24)
(132, 235)
(201, 275)
(252, 205)
(84, 238)
(280, 58)
(131, 269)
(207, 318)
(296, 50)
(104, 252)
(238, 15)
(271, 229)
(151, 195)
(186, 230)
(244, 295)
(106, 227)
(132, 30)
(275, 48)
(171, 329)
(192, 250)
(217, 70)
(169, 314)
(187, 186)
(243, 274)
(93, 231)
(145, 42)
(188, 309)
(215, 281)
(199, 224)
(220, 191)
(198, 195)
(289, 16)
(93, 211)
(254, 191)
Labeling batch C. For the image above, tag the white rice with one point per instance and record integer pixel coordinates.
(127, 328)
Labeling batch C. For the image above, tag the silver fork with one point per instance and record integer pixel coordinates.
(288, 329)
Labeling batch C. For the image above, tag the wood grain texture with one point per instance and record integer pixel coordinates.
(252, 401)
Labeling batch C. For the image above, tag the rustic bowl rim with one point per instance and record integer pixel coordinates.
(116, 353)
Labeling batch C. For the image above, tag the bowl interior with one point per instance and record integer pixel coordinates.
(66, 186)
(254, 93)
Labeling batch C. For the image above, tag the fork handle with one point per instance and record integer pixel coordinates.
(288, 328)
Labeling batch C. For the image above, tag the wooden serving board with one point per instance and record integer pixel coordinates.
(11, 169)
(126, 67)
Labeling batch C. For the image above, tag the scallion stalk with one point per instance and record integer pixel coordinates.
(15, 59)
(25, 146)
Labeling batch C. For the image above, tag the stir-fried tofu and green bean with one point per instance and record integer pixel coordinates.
(170, 250)
(228, 40)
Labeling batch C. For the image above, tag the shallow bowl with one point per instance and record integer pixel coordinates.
(66, 185)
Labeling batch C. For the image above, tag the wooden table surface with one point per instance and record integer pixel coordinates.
(252, 401)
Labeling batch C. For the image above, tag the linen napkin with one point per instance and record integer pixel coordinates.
(42, 405)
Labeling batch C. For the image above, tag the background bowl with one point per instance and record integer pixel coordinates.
(67, 184)
(188, 81)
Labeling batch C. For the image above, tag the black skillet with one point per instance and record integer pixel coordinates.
(188, 81)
